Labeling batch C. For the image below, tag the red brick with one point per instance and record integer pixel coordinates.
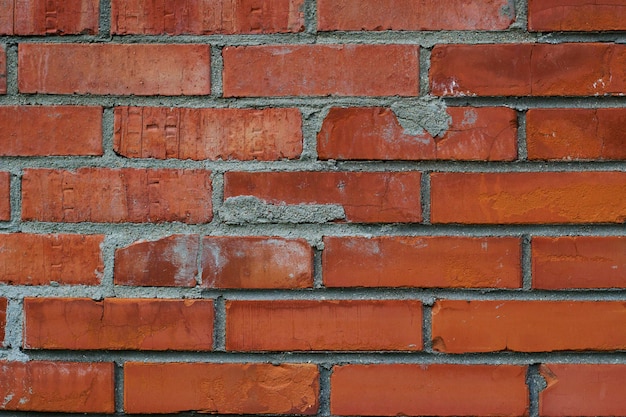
(356, 325)
(256, 262)
(583, 390)
(51, 17)
(119, 69)
(118, 324)
(365, 196)
(428, 390)
(412, 15)
(116, 195)
(528, 197)
(51, 130)
(29, 259)
(3, 70)
(480, 133)
(567, 69)
(225, 388)
(3, 318)
(443, 262)
(579, 262)
(206, 17)
(321, 70)
(528, 326)
(167, 262)
(564, 134)
(65, 387)
(5, 196)
(244, 134)
(576, 15)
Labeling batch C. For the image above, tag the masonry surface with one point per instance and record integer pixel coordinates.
(313, 207)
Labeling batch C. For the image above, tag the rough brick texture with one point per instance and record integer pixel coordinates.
(118, 324)
(319, 70)
(228, 388)
(412, 15)
(244, 134)
(123, 195)
(3, 69)
(428, 390)
(206, 17)
(117, 69)
(49, 17)
(323, 325)
(475, 134)
(5, 190)
(47, 131)
(576, 15)
(3, 317)
(69, 387)
(30, 259)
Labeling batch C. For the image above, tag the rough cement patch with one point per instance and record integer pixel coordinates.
(422, 114)
(249, 209)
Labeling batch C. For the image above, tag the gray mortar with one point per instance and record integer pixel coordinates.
(536, 383)
(417, 115)
(248, 209)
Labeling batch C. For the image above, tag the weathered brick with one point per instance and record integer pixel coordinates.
(5, 196)
(3, 69)
(30, 259)
(206, 17)
(3, 318)
(576, 15)
(460, 326)
(414, 15)
(49, 17)
(564, 134)
(118, 324)
(119, 69)
(256, 262)
(421, 262)
(528, 197)
(167, 262)
(582, 390)
(224, 388)
(475, 133)
(428, 390)
(566, 69)
(579, 262)
(183, 133)
(384, 197)
(320, 70)
(65, 387)
(51, 130)
(358, 325)
(116, 195)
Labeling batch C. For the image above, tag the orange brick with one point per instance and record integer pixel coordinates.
(256, 262)
(320, 70)
(119, 69)
(370, 197)
(480, 133)
(29, 259)
(579, 262)
(422, 262)
(206, 17)
(576, 15)
(528, 197)
(45, 130)
(243, 134)
(528, 326)
(566, 69)
(65, 387)
(564, 134)
(51, 17)
(225, 388)
(583, 390)
(167, 262)
(428, 390)
(5, 196)
(357, 325)
(118, 324)
(117, 195)
(412, 15)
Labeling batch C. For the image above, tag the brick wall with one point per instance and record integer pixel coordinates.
(313, 207)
